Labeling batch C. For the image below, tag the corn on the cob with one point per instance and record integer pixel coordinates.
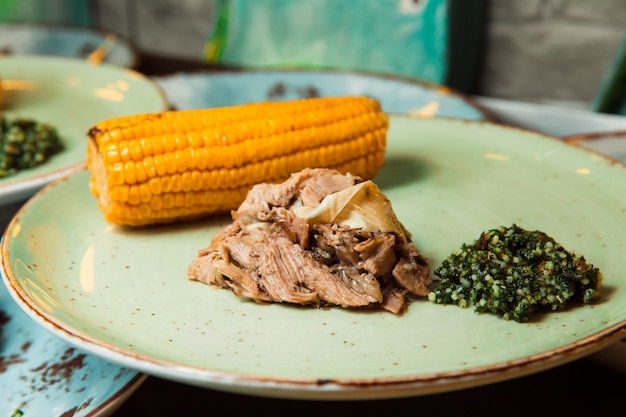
(181, 165)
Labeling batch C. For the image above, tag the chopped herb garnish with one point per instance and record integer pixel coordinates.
(25, 143)
(514, 273)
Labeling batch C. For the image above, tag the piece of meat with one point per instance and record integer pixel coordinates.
(410, 265)
(271, 254)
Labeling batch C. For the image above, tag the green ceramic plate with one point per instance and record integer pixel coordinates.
(123, 294)
(71, 95)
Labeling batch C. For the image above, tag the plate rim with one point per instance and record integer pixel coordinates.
(69, 27)
(117, 399)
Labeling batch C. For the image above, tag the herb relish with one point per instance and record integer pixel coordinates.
(25, 143)
(514, 273)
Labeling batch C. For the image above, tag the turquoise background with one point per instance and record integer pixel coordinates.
(76, 12)
(387, 36)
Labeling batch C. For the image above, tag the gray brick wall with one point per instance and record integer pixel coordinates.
(551, 51)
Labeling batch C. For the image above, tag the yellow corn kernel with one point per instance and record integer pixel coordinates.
(182, 165)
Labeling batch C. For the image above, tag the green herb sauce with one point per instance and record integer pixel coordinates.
(25, 143)
(514, 273)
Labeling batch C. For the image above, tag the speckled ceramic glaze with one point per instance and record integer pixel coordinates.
(65, 41)
(397, 95)
(44, 376)
(122, 294)
(71, 95)
(613, 145)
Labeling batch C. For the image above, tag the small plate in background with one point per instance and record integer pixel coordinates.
(66, 41)
(200, 89)
(611, 144)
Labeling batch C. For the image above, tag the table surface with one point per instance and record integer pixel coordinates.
(581, 387)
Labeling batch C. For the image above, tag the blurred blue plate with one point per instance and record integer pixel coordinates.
(201, 89)
(611, 143)
(43, 376)
(66, 41)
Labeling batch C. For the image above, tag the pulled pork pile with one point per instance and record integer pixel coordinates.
(319, 238)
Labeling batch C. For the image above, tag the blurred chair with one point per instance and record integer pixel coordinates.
(611, 96)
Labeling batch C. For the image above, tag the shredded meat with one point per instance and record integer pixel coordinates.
(270, 254)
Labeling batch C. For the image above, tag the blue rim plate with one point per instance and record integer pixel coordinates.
(66, 41)
(610, 143)
(199, 89)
